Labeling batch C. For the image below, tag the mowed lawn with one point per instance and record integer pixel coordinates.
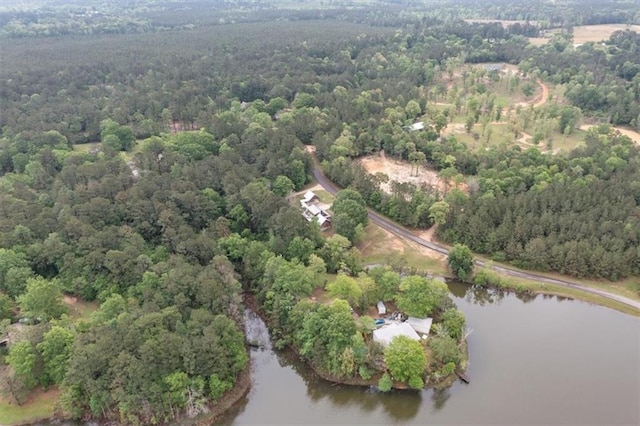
(41, 405)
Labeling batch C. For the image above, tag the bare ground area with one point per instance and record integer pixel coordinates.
(400, 171)
(428, 234)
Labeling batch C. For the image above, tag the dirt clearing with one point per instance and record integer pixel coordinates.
(400, 171)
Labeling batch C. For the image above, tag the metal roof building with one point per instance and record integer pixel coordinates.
(384, 335)
(421, 325)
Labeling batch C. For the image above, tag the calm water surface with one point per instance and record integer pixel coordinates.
(541, 361)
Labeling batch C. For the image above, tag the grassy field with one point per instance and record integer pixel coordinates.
(41, 405)
(87, 147)
(324, 196)
(80, 309)
(382, 247)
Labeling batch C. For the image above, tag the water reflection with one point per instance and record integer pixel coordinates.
(399, 405)
(483, 296)
(439, 398)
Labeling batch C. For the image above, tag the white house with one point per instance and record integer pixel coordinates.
(385, 334)
(311, 211)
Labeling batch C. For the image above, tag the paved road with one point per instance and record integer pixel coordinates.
(402, 232)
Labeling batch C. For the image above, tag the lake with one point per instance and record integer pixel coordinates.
(544, 360)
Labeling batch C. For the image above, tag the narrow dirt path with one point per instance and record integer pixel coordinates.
(545, 94)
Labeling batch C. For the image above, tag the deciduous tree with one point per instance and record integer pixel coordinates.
(460, 261)
(420, 296)
(406, 360)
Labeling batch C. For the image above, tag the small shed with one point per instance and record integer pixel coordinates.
(420, 325)
(382, 309)
(417, 126)
(384, 335)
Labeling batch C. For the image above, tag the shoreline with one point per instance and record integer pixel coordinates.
(228, 400)
(444, 382)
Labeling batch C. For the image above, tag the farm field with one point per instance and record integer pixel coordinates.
(586, 33)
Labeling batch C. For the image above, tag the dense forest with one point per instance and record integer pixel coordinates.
(148, 150)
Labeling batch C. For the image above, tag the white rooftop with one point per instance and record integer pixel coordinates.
(308, 196)
(417, 126)
(321, 219)
(421, 325)
(313, 209)
(386, 333)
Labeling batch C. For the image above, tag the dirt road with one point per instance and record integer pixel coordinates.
(545, 94)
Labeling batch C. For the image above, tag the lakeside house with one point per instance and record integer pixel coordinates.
(312, 211)
(413, 328)
(384, 335)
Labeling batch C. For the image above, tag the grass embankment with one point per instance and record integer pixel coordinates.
(493, 279)
(383, 247)
(40, 405)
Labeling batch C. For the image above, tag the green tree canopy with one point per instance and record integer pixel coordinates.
(453, 321)
(387, 282)
(349, 211)
(420, 296)
(23, 360)
(56, 349)
(460, 261)
(406, 360)
(43, 300)
(346, 288)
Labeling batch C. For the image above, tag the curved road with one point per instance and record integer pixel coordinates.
(402, 232)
